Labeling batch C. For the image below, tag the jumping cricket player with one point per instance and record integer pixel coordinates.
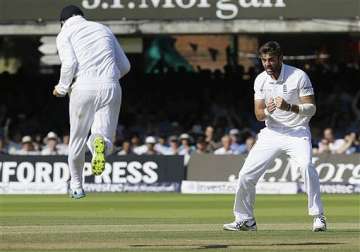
(90, 54)
(284, 99)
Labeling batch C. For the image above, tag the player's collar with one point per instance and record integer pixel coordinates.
(73, 20)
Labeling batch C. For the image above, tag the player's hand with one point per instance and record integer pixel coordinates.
(56, 93)
(280, 103)
(270, 106)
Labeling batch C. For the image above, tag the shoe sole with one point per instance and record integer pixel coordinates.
(230, 229)
(236, 230)
(77, 197)
(98, 161)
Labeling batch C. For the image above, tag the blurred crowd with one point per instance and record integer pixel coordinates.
(179, 112)
(235, 142)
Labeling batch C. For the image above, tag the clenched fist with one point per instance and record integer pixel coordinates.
(280, 103)
(56, 93)
(270, 106)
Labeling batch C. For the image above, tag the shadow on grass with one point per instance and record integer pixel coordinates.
(222, 246)
(212, 246)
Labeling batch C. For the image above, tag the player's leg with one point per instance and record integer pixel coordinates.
(300, 151)
(256, 163)
(81, 112)
(104, 127)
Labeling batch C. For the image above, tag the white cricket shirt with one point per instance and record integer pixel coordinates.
(90, 53)
(291, 85)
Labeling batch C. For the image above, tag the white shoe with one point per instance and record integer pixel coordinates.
(245, 225)
(77, 194)
(319, 224)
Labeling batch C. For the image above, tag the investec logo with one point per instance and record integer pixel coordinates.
(225, 9)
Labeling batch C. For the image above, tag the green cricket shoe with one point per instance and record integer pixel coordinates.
(98, 159)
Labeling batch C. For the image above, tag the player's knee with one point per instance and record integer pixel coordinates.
(73, 157)
(246, 179)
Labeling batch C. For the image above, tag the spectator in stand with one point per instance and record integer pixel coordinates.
(186, 148)
(14, 144)
(201, 146)
(137, 148)
(249, 143)
(126, 148)
(27, 147)
(64, 146)
(351, 144)
(38, 142)
(236, 146)
(161, 147)
(173, 146)
(226, 146)
(150, 142)
(209, 138)
(51, 147)
(329, 144)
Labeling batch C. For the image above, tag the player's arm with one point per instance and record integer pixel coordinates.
(263, 110)
(306, 107)
(122, 62)
(68, 66)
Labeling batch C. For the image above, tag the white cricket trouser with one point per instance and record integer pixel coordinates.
(269, 145)
(96, 109)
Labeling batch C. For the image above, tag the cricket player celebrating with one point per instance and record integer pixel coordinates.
(90, 53)
(284, 99)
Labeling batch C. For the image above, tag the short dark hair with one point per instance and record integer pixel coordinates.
(69, 11)
(272, 48)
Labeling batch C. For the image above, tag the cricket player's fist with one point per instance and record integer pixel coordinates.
(56, 93)
(270, 106)
(280, 103)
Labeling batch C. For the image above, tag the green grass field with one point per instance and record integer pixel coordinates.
(171, 222)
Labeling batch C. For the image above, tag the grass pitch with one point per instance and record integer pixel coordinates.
(171, 222)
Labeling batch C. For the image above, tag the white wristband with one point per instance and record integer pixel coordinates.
(307, 109)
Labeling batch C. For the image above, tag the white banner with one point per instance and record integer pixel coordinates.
(219, 187)
(158, 187)
(33, 188)
(50, 174)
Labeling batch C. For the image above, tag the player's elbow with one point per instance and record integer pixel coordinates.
(125, 69)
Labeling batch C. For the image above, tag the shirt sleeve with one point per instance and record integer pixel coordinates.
(305, 86)
(259, 90)
(122, 62)
(68, 64)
